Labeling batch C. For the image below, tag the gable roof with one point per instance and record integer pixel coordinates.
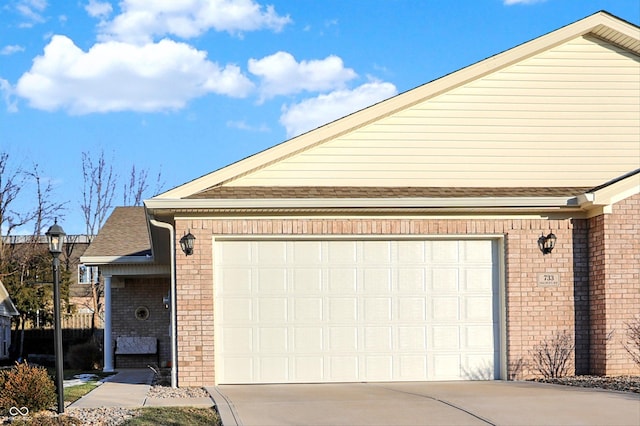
(124, 236)
(7, 308)
(601, 25)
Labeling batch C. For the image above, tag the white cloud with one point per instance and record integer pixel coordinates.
(141, 20)
(32, 10)
(11, 49)
(311, 113)
(6, 92)
(281, 74)
(98, 9)
(512, 2)
(116, 76)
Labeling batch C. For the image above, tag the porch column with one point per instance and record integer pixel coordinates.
(108, 342)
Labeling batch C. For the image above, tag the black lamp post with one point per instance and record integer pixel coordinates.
(55, 237)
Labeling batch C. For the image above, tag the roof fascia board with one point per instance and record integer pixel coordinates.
(401, 101)
(601, 199)
(293, 203)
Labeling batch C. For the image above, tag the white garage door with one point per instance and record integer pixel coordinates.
(352, 311)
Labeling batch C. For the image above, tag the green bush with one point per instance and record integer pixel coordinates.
(26, 386)
(84, 356)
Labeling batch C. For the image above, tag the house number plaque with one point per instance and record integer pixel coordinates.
(548, 279)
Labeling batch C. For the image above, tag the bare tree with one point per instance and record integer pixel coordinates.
(46, 210)
(12, 181)
(98, 191)
(134, 191)
(26, 266)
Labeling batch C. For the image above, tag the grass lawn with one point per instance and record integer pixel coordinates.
(175, 416)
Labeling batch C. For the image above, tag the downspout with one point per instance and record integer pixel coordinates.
(173, 316)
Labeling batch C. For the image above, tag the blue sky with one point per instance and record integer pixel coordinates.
(186, 87)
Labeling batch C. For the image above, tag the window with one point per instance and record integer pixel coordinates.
(87, 274)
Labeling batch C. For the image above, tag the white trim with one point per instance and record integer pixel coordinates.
(103, 260)
(421, 202)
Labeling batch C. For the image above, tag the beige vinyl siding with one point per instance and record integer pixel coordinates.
(569, 116)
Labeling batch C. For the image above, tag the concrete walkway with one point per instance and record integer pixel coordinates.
(424, 403)
(128, 388)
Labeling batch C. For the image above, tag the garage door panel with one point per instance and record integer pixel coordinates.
(343, 368)
(308, 368)
(238, 340)
(378, 367)
(273, 369)
(445, 309)
(272, 309)
(445, 251)
(236, 310)
(341, 252)
(235, 281)
(271, 252)
(412, 309)
(307, 280)
(446, 366)
(377, 309)
(376, 280)
(378, 339)
(445, 338)
(272, 340)
(412, 338)
(343, 280)
(412, 367)
(342, 310)
(376, 253)
(413, 252)
(411, 280)
(308, 340)
(343, 339)
(444, 280)
(271, 281)
(477, 308)
(307, 309)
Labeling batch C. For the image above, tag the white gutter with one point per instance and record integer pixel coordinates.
(173, 316)
(283, 203)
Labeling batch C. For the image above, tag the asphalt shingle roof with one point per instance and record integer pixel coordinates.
(125, 233)
(265, 192)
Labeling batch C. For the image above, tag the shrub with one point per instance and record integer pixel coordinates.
(552, 357)
(26, 386)
(632, 344)
(84, 356)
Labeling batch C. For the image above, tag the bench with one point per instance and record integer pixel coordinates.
(136, 345)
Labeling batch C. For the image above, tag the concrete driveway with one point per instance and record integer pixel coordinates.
(424, 403)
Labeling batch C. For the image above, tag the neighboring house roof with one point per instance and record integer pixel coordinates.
(420, 139)
(7, 308)
(124, 235)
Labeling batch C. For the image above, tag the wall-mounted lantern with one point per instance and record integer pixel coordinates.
(547, 243)
(186, 243)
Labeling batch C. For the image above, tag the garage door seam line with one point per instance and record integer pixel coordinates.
(450, 404)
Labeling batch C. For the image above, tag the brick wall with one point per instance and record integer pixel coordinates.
(534, 313)
(141, 292)
(614, 246)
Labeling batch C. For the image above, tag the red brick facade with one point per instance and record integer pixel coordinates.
(533, 313)
(129, 294)
(614, 248)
